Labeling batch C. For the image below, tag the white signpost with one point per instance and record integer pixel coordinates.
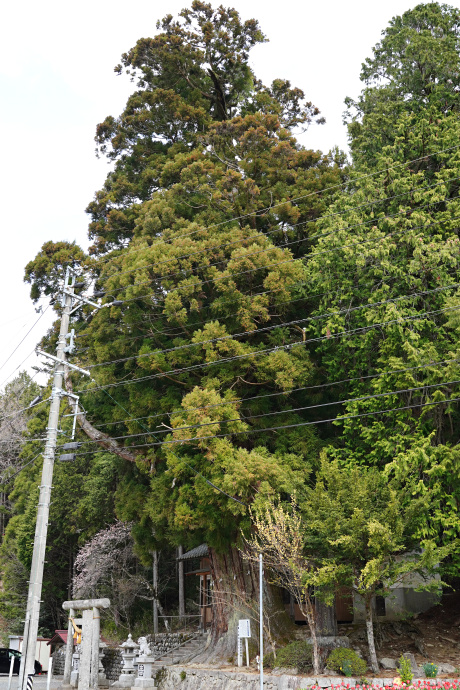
(244, 632)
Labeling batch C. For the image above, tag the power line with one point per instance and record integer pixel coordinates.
(8, 479)
(280, 412)
(20, 343)
(18, 367)
(316, 192)
(347, 310)
(257, 353)
(271, 248)
(237, 500)
(261, 236)
(24, 409)
(231, 276)
(280, 393)
(290, 426)
(372, 220)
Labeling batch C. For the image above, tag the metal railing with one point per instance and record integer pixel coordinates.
(186, 623)
(170, 652)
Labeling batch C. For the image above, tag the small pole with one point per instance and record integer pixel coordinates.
(261, 613)
(50, 673)
(11, 671)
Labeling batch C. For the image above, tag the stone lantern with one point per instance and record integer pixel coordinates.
(126, 679)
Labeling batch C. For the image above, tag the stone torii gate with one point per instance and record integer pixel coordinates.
(89, 659)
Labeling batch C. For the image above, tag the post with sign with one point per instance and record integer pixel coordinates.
(244, 633)
(261, 621)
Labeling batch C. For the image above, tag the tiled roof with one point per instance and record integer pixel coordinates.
(198, 552)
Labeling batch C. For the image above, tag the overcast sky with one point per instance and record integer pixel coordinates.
(57, 82)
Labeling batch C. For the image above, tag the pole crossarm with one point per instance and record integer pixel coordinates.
(62, 361)
(81, 300)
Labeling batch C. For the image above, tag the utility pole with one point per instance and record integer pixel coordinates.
(26, 672)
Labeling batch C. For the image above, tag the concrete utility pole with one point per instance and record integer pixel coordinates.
(26, 672)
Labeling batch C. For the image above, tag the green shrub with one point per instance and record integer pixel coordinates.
(405, 669)
(183, 675)
(294, 655)
(431, 670)
(346, 661)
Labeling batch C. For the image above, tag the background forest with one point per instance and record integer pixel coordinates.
(280, 323)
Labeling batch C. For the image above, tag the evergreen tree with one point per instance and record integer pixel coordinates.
(200, 231)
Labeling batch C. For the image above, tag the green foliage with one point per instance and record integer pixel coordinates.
(430, 670)
(46, 271)
(183, 675)
(405, 669)
(414, 68)
(397, 263)
(296, 654)
(356, 527)
(346, 661)
(191, 75)
(220, 234)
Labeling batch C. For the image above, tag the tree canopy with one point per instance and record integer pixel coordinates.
(264, 309)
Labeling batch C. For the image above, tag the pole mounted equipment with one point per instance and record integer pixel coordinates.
(27, 669)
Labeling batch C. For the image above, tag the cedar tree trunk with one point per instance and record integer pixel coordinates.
(235, 595)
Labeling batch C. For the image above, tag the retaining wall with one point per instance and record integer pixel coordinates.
(170, 678)
(112, 659)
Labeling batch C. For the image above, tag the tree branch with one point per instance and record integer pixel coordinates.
(101, 439)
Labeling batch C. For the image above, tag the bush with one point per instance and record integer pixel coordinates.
(405, 669)
(430, 670)
(346, 661)
(295, 655)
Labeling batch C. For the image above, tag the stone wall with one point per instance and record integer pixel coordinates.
(59, 661)
(162, 643)
(173, 678)
(112, 662)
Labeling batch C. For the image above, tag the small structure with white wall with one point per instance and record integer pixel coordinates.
(42, 653)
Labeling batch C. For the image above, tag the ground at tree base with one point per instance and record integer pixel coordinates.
(433, 636)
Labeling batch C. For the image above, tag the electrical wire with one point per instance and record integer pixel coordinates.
(289, 426)
(8, 479)
(24, 409)
(347, 310)
(316, 192)
(280, 412)
(280, 393)
(261, 236)
(18, 367)
(372, 220)
(257, 353)
(231, 276)
(20, 343)
(237, 500)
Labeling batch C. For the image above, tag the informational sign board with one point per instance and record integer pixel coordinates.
(244, 627)
(244, 632)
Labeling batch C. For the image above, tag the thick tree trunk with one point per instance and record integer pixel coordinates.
(235, 595)
(326, 620)
(370, 636)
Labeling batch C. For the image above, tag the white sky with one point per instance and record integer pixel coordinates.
(57, 82)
